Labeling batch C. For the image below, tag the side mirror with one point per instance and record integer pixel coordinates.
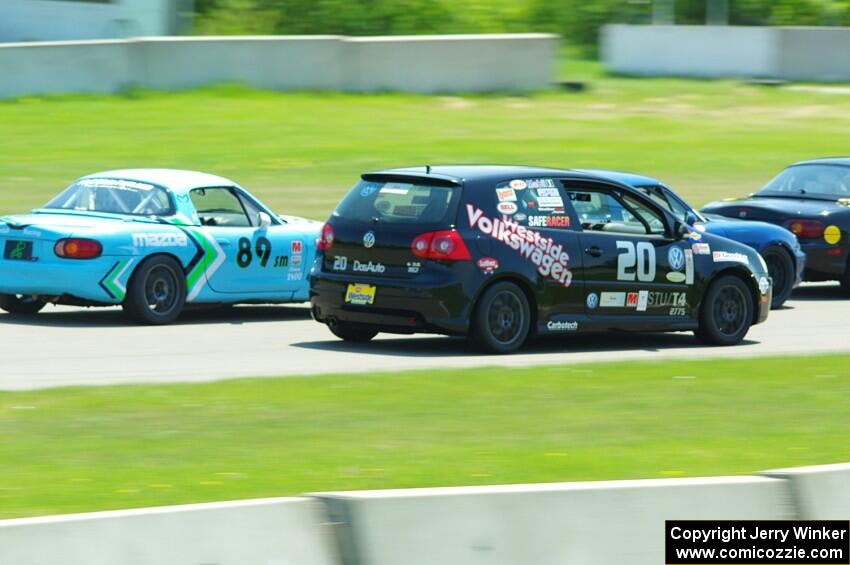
(691, 218)
(263, 221)
(683, 231)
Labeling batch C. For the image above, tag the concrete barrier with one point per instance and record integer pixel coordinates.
(813, 54)
(281, 531)
(821, 492)
(699, 51)
(101, 66)
(544, 524)
(276, 63)
(466, 63)
(461, 63)
(790, 53)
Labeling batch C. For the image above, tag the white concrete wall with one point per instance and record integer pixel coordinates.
(284, 531)
(59, 20)
(814, 54)
(278, 63)
(545, 524)
(84, 66)
(791, 53)
(449, 63)
(821, 492)
(478, 63)
(699, 51)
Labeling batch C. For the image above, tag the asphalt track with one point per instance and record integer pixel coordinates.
(75, 346)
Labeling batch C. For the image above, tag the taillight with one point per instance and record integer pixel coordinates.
(805, 229)
(76, 248)
(446, 245)
(326, 239)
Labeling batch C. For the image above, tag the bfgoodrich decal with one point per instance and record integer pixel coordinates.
(720, 256)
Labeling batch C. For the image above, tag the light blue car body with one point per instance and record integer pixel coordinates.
(208, 254)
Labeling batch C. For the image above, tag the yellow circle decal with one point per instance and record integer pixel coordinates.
(832, 235)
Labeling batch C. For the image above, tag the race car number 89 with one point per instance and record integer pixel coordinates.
(636, 261)
(263, 248)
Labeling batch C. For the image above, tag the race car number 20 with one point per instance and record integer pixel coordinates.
(635, 261)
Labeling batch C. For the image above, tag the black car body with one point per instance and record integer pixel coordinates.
(812, 200)
(421, 249)
(780, 248)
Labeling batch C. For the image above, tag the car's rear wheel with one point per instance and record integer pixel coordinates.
(21, 304)
(348, 332)
(501, 320)
(780, 267)
(156, 292)
(726, 313)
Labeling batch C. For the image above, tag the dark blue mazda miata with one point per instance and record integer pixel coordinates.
(812, 199)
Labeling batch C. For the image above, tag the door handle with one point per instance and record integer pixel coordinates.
(594, 251)
(223, 242)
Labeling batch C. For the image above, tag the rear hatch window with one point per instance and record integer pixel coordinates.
(375, 224)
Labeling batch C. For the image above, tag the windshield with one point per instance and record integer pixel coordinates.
(811, 181)
(115, 196)
(399, 203)
(664, 197)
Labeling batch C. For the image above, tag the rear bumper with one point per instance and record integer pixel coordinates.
(96, 280)
(424, 305)
(824, 262)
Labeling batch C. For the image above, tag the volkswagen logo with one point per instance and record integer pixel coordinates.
(369, 239)
(676, 258)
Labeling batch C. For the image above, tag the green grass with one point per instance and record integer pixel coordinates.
(301, 151)
(80, 449)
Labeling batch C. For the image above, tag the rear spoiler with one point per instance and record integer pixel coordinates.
(432, 179)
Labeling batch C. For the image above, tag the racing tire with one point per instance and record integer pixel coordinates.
(21, 304)
(726, 313)
(780, 267)
(501, 319)
(354, 334)
(156, 292)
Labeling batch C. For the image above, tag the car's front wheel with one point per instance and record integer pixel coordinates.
(21, 304)
(780, 267)
(348, 332)
(502, 319)
(156, 292)
(726, 313)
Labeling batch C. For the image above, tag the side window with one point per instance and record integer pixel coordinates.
(219, 207)
(536, 203)
(253, 210)
(605, 211)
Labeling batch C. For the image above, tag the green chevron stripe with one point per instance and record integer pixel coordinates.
(212, 256)
(209, 257)
(112, 284)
